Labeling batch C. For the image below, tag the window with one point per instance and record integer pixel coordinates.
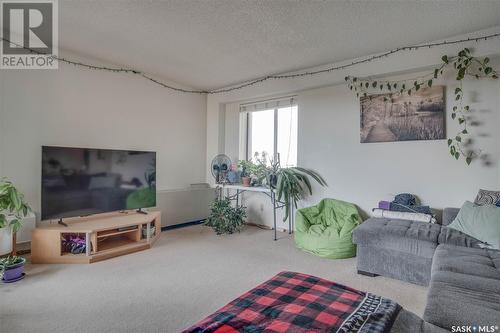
(271, 127)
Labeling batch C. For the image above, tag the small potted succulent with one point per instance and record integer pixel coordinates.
(247, 169)
(246, 180)
(12, 269)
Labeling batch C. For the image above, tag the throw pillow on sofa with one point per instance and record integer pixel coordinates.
(480, 222)
(485, 197)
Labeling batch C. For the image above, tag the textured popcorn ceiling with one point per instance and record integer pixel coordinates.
(212, 43)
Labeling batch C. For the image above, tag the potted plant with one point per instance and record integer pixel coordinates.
(224, 218)
(292, 183)
(247, 170)
(267, 169)
(12, 269)
(13, 209)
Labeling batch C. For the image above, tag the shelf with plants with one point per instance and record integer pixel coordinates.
(291, 184)
(286, 186)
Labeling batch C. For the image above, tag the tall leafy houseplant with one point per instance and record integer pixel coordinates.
(12, 210)
(293, 183)
(12, 203)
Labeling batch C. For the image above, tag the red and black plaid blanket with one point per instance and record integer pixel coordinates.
(295, 302)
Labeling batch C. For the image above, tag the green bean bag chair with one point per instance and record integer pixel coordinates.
(326, 229)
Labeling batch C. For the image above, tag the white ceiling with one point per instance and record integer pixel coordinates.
(213, 43)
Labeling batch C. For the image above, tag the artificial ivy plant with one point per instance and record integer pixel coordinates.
(464, 64)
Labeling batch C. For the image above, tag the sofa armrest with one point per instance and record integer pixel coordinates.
(449, 215)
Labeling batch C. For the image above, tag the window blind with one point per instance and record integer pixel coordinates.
(269, 104)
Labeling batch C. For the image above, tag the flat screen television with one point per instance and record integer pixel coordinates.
(85, 181)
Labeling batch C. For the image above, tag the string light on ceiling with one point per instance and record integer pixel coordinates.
(264, 78)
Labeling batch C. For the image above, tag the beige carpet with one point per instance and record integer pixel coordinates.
(188, 274)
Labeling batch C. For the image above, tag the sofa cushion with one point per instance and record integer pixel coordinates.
(449, 215)
(481, 222)
(486, 197)
(452, 236)
(417, 238)
(464, 288)
(483, 263)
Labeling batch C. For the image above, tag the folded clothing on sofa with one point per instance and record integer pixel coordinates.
(405, 199)
(420, 217)
(412, 209)
(405, 202)
(386, 205)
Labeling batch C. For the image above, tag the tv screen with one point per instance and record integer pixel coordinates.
(84, 181)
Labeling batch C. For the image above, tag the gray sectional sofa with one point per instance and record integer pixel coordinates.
(463, 278)
(464, 287)
(403, 249)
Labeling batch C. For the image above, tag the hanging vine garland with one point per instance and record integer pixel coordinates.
(464, 64)
(245, 84)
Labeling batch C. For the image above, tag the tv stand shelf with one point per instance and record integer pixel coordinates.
(106, 236)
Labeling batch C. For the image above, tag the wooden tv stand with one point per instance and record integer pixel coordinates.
(106, 236)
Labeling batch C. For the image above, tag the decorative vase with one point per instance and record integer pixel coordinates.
(14, 272)
(246, 181)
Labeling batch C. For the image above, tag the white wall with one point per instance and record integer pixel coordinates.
(83, 108)
(367, 173)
